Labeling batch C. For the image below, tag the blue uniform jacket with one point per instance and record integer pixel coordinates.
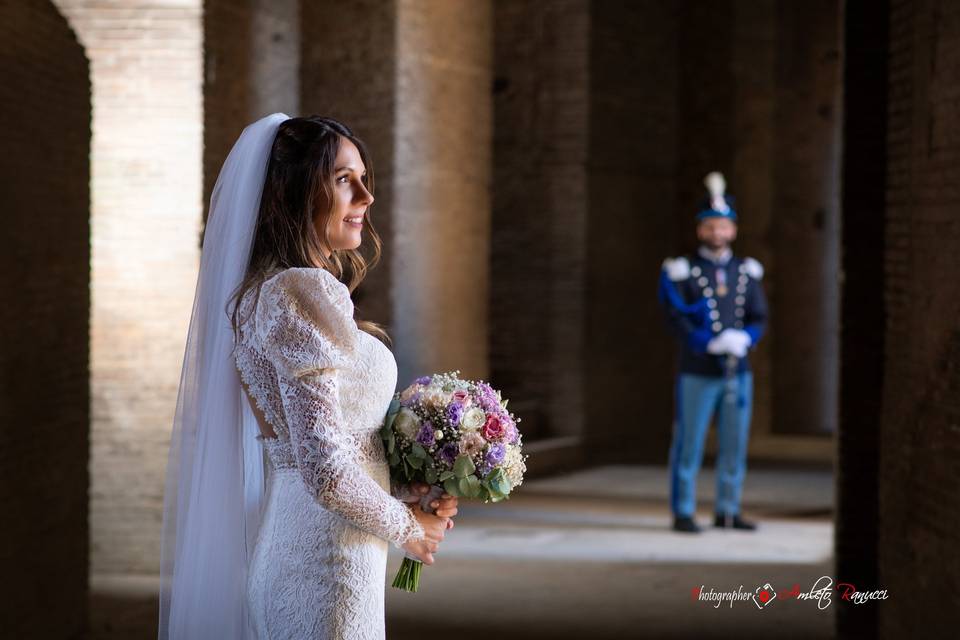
(698, 307)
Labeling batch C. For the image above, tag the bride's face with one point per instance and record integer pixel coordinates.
(350, 202)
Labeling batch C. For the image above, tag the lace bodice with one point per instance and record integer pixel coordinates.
(323, 385)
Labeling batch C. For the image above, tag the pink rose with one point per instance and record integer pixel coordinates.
(462, 397)
(493, 429)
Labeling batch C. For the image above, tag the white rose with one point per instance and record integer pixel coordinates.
(407, 423)
(434, 399)
(473, 419)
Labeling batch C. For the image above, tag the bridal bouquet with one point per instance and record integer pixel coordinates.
(457, 436)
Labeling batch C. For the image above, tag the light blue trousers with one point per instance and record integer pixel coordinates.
(698, 399)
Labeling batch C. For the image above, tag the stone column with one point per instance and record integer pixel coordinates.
(251, 54)
(441, 215)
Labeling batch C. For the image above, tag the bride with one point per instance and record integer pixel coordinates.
(277, 367)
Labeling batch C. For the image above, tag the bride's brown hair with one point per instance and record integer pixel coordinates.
(299, 186)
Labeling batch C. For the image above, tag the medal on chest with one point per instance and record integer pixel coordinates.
(721, 277)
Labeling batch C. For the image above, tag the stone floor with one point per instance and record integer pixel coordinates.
(590, 555)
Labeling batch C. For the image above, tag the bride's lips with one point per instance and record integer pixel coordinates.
(354, 221)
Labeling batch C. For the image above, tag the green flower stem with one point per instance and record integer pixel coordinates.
(408, 577)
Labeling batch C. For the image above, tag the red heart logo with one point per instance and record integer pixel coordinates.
(764, 596)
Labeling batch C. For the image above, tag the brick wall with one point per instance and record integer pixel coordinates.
(145, 215)
(538, 241)
(631, 167)
(44, 321)
(920, 439)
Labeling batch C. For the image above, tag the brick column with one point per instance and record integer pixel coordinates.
(539, 189)
(919, 437)
(145, 216)
(804, 233)
(441, 208)
(45, 323)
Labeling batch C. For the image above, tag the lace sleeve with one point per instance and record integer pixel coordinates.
(309, 334)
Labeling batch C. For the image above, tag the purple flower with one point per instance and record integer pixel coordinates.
(510, 427)
(487, 398)
(411, 400)
(455, 413)
(426, 434)
(423, 380)
(449, 452)
(495, 454)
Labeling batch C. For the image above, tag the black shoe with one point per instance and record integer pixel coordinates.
(685, 524)
(733, 522)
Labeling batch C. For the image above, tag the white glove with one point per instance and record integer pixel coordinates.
(736, 342)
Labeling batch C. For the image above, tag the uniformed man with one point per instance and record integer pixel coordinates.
(714, 303)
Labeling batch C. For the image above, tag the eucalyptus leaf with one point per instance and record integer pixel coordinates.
(464, 466)
(413, 461)
(418, 451)
(446, 475)
(473, 486)
(391, 416)
(431, 475)
(450, 486)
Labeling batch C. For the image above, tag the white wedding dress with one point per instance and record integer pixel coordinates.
(324, 386)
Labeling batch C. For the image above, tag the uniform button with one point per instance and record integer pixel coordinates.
(714, 315)
(740, 300)
(742, 268)
(738, 312)
(743, 279)
(695, 272)
(738, 324)
(708, 292)
(717, 326)
(711, 303)
(702, 282)
(741, 289)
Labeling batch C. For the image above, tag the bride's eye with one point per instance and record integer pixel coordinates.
(343, 177)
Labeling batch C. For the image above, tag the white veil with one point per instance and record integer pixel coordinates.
(215, 471)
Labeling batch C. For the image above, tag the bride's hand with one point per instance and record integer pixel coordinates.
(446, 506)
(433, 528)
